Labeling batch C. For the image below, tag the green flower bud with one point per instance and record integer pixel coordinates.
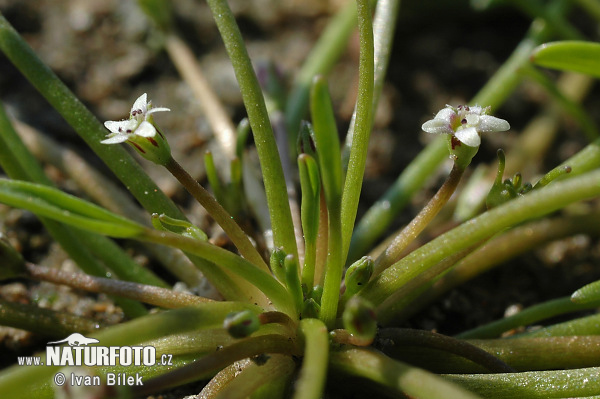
(241, 324)
(277, 263)
(359, 318)
(306, 140)
(358, 274)
(311, 309)
(189, 230)
(316, 293)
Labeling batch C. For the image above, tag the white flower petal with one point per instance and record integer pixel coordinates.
(468, 136)
(158, 109)
(445, 114)
(126, 126)
(472, 119)
(476, 109)
(437, 126)
(116, 139)
(488, 123)
(145, 130)
(140, 106)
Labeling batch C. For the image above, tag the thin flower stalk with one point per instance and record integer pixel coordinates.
(221, 216)
(393, 252)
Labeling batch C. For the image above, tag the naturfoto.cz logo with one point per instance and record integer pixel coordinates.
(81, 353)
(84, 351)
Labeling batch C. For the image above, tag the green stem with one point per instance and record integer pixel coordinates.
(362, 125)
(396, 375)
(277, 198)
(314, 366)
(535, 384)
(394, 251)
(217, 212)
(535, 204)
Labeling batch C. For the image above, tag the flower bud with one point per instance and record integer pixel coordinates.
(358, 274)
(359, 318)
(241, 324)
(311, 309)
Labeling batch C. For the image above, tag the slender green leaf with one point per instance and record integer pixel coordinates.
(571, 55)
(53, 203)
(328, 151)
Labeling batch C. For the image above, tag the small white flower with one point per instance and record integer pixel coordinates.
(138, 124)
(465, 123)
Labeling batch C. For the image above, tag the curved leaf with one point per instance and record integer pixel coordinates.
(50, 202)
(576, 56)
